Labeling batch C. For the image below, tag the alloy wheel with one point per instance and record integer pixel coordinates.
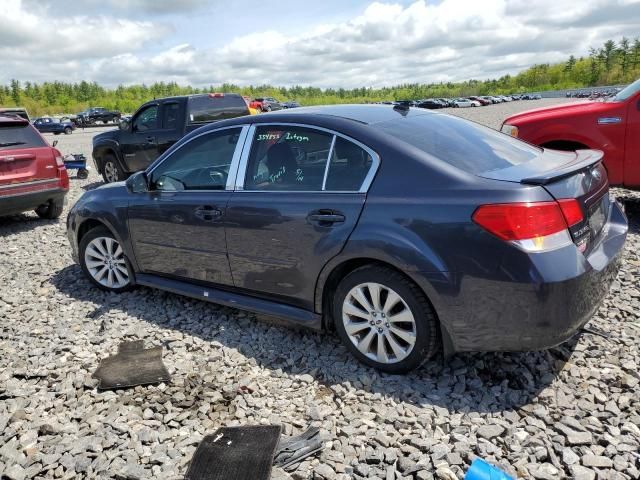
(105, 262)
(379, 323)
(110, 172)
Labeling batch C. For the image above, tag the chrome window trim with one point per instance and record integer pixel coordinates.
(326, 167)
(366, 183)
(233, 168)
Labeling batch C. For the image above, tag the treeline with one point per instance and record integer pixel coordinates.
(612, 64)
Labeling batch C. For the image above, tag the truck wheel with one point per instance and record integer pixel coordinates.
(51, 210)
(268, 108)
(67, 130)
(111, 171)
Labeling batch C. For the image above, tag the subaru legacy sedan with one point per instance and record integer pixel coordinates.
(404, 230)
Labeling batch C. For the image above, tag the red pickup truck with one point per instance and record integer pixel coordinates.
(611, 125)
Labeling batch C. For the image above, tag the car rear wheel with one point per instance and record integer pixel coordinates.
(67, 131)
(111, 171)
(51, 210)
(385, 320)
(103, 260)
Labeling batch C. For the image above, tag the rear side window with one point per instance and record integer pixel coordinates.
(287, 158)
(19, 137)
(170, 115)
(209, 108)
(466, 145)
(349, 166)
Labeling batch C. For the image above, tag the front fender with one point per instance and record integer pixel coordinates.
(106, 146)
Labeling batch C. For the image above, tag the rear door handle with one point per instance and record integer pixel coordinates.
(208, 213)
(151, 139)
(325, 218)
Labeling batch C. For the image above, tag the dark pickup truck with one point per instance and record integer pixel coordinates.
(156, 126)
(98, 114)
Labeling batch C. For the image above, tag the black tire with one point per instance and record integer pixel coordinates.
(84, 242)
(268, 109)
(111, 170)
(51, 210)
(68, 130)
(82, 173)
(427, 340)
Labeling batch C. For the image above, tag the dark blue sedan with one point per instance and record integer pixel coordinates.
(53, 125)
(402, 229)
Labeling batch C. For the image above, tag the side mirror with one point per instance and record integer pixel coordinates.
(124, 125)
(55, 142)
(138, 182)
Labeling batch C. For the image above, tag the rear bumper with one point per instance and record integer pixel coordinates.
(21, 202)
(563, 291)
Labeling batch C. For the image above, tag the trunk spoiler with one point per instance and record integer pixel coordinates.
(585, 159)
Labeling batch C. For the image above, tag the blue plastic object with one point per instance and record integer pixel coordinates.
(481, 470)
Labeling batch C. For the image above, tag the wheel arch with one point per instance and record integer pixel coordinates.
(565, 145)
(99, 152)
(330, 278)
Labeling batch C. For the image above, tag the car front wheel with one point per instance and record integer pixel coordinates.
(103, 260)
(385, 320)
(111, 171)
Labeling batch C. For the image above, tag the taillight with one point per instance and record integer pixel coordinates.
(216, 95)
(533, 226)
(571, 211)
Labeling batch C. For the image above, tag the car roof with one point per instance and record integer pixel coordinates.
(366, 114)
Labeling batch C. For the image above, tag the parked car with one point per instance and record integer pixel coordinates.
(266, 104)
(464, 103)
(18, 111)
(290, 104)
(481, 100)
(612, 125)
(98, 114)
(32, 173)
(53, 125)
(155, 127)
(431, 104)
(490, 243)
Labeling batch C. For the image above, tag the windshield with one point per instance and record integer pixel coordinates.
(627, 92)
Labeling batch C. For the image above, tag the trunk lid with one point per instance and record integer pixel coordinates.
(576, 175)
(24, 155)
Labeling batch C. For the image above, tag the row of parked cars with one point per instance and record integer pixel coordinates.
(297, 214)
(462, 102)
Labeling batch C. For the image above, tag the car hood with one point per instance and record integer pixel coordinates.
(562, 110)
(108, 135)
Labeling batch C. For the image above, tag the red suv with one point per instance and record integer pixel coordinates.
(32, 173)
(611, 125)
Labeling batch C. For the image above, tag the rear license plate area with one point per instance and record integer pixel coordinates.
(598, 215)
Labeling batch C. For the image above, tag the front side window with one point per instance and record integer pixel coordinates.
(147, 119)
(287, 158)
(201, 164)
(349, 167)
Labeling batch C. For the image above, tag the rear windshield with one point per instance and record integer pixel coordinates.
(203, 109)
(19, 137)
(466, 145)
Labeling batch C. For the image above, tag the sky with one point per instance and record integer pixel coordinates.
(326, 43)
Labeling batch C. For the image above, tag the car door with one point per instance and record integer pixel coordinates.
(139, 144)
(292, 211)
(177, 227)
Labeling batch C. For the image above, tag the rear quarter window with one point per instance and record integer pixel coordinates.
(468, 146)
(20, 136)
(205, 108)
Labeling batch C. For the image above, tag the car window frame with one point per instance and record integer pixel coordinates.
(233, 167)
(163, 108)
(246, 151)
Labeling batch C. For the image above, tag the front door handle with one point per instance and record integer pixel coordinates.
(151, 139)
(325, 217)
(208, 213)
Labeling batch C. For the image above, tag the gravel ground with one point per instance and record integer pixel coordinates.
(570, 412)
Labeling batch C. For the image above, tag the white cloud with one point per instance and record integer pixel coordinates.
(387, 44)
